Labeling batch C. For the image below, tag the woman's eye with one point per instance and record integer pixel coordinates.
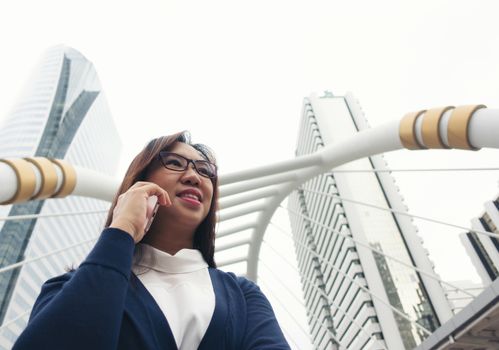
(173, 162)
(204, 171)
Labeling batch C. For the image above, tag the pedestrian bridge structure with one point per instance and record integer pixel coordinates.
(249, 199)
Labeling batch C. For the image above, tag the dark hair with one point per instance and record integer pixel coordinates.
(204, 237)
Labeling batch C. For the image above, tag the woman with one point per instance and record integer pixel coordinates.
(158, 289)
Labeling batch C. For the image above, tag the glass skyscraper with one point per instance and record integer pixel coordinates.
(62, 113)
(344, 248)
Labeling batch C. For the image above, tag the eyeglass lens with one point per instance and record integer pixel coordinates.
(177, 162)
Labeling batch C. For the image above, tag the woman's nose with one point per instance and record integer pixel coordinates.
(191, 175)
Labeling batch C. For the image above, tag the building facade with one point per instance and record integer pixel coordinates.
(62, 114)
(484, 250)
(352, 286)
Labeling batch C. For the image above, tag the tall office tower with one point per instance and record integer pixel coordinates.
(484, 250)
(342, 245)
(62, 114)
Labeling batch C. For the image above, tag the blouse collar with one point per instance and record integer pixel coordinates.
(184, 261)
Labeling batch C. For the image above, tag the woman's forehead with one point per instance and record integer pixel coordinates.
(186, 150)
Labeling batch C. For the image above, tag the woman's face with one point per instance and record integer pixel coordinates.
(190, 193)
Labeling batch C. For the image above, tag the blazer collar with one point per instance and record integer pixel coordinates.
(215, 334)
(147, 315)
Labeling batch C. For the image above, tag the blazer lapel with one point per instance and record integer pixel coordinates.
(147, 315)
(214, 338)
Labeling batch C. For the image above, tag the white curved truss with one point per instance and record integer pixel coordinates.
(260, 190)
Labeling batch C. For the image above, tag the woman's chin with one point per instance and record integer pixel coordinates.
(180, 215)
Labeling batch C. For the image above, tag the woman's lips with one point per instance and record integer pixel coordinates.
(191, 201)
(193, 193)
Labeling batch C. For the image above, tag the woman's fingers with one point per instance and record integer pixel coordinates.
(155, 190)
(151, 189)
(131, 210)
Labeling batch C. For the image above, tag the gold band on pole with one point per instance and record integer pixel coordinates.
(49, 176)
(26, 180)
(407, 131)
(430, 127)
(457, 129)
(68, 179)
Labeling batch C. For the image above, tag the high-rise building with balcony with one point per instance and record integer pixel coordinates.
(63, 114)
(484, 250)
(354, 258)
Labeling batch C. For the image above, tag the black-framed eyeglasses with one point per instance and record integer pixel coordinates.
(176, 162)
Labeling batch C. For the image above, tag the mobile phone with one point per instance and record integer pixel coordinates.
(152, 208)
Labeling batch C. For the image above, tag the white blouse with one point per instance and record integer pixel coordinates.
(181, 286)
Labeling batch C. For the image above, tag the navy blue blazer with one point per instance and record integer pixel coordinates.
(102, 305)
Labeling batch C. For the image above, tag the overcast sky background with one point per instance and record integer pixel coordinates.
(235, 74)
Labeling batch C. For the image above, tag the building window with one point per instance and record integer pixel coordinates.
(488, 224)
(482, 255)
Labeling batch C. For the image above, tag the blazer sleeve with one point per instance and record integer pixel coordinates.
(83, 309)
(262, 329)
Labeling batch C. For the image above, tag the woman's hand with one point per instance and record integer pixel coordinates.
(130, 212)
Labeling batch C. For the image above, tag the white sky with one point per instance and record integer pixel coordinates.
(235, 73)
